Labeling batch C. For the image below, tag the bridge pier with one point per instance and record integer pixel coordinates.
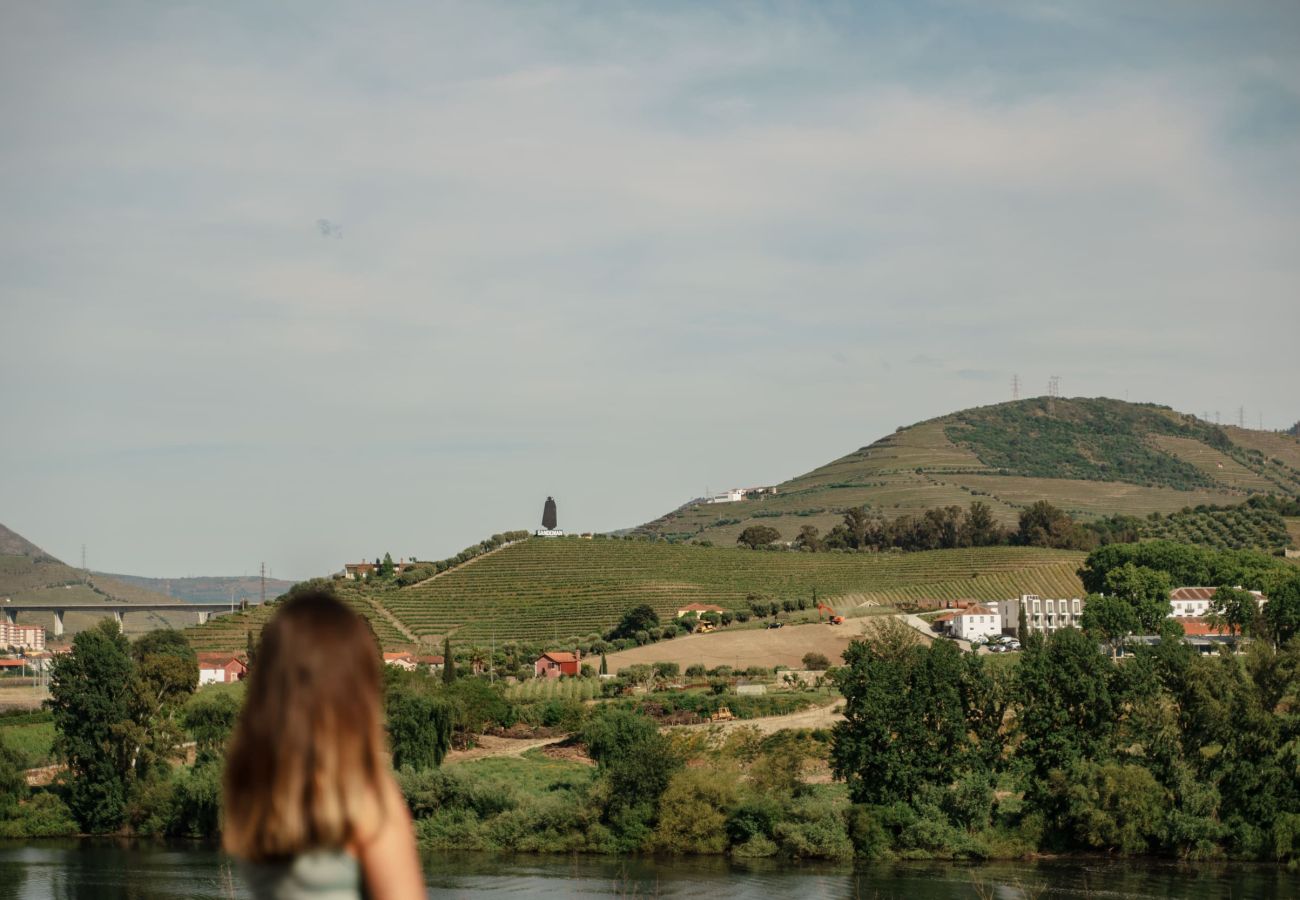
(117, 617)
(11, 617)
(203, 617)
(58, 622)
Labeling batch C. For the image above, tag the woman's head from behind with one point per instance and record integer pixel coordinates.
(306, 758)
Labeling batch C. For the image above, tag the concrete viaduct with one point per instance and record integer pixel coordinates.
(117, 610)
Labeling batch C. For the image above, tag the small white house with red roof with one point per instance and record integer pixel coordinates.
(554, 663)
(976, 623)
(221, 668)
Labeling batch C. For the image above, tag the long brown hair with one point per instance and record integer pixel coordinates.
(304, 766)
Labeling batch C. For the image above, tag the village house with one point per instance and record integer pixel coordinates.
(554, 663)
(21, 637)
(1194, 602)
(221, 668)
(401, 660)
(362, 570)
(699, 609)
(976, 623)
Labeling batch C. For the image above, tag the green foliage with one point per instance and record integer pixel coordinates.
(1185, 565)
(638, 619)
(419, 728)
(13, 783)
(636, 764)
(692, 811)
(209, 718)
(1281, 615)
(817, 662)
(99, 718)
(1249, 526)
(1145, 590)
(1094, 440)
(756, 536)
(1109, 618)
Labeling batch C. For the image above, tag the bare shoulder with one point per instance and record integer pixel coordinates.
(386, 848)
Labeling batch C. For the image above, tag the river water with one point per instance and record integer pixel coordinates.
(108, 871)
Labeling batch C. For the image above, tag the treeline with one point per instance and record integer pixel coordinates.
(386, 570)
(1166, 753)
(941, 528)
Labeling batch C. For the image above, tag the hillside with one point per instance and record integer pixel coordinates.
(30, 575)
(1090, 457)
(207, 589)
(547, 589)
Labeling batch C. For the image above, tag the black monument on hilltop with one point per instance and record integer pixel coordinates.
(548, 514)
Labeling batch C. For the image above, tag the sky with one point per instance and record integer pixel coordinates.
(309, 282)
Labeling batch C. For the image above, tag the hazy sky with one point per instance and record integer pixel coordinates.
(311, 282)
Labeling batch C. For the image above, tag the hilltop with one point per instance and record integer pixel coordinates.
(1092, 457)
(28, 574)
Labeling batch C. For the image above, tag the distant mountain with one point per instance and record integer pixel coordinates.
(213, 589)
(1090, 456)
(30, 575)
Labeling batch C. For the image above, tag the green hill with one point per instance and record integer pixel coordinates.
(549, 589)
(30, 575)
(1090, 457)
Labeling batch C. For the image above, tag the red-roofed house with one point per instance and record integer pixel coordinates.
(403, 660)
(221, 668)
(699, 609)
(1195, 601)
(554, 663)
(976, 623)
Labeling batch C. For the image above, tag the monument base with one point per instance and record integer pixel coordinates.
(548, 532)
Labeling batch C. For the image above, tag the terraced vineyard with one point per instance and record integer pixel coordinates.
(551, 589)
(230, 632)
(1057, 580)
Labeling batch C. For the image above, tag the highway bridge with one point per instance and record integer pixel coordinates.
(116, 609)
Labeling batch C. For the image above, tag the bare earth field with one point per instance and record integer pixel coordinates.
(744, 648)
(24, 697)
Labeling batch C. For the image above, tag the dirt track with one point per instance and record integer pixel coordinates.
(747, 647)
(819, 717)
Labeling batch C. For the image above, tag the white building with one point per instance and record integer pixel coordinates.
(730, 496)
(21, 637)
(1042, 614)
(976, 623)
(1194, 602)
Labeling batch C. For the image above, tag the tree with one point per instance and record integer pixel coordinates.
(808, 539)
(1043, 525)
(604, 665)
(1109, 619)
(386, 568)
(638, 618)
(448, 662)
(1234, 608)
(420, 729)
(636, 762)
(1147, 590)
(210, 718)
(980, 528)
(1281, 614)
(94, 695)
(756, 536)
(816, 662)
(856, 526)
(13, 781)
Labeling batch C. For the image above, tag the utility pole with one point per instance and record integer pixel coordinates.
(1054, 386)
(1015, 386)
(1241, 417)
(264, 584)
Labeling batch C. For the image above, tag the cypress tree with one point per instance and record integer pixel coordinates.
(448, 664)
(604, 665)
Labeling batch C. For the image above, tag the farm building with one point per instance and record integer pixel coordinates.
(402, 660)
(221, 668)
(976, 623)
(1195, 601)
(699, 609)
(554, 663)
(1043, 615)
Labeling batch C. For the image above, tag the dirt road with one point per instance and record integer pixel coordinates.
(742, 648)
